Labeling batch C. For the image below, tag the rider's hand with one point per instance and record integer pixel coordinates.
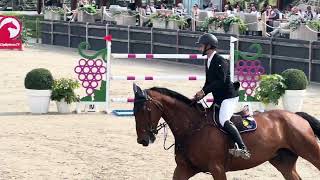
(200, 94)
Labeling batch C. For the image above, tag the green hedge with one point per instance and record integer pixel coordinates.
(40, 79)
(295, 79)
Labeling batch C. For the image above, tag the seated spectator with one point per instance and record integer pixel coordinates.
(227, 10)
(150, 9)
(317, 12)
(253, 10)
(294, 15)
(237, 9)
(163, 6)
(309, 15)
(180, 10)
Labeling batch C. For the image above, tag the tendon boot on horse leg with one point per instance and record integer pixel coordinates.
(240, 150)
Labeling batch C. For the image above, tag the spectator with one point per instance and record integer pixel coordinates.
(150, 9)
(294, 15)
(195, 10)
(227, 9)
(163, 6)
(229, 6)
(272, 15)
(309, 15)
(180, 10)
(317, 12)
(237, 8)
(253, 10)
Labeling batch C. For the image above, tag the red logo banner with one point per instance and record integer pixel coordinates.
(10, 32)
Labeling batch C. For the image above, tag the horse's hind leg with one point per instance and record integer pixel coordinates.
(285, 162)
(306, 146)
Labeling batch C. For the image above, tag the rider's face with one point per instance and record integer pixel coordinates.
(202, 48)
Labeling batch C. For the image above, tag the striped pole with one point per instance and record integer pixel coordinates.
(155, 78)
(131, 100)
(162, 56)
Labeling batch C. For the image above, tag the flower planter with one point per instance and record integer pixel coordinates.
(51, 15)
(56, 16)
(293, 100)
(234, 29)
(172, 25)
(126, 20)
(83, 16)
(159, 23)
(63, 106)
(39, 100)
(214, 28)
(47, 15)
(303, 33)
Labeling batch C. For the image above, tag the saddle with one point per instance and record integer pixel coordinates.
(242, 120)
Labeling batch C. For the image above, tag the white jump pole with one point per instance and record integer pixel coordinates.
(162, 56)
(159, 78)
(131, 100)
(108, 79)
(232, 41)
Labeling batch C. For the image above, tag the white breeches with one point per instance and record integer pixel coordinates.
(227, 108)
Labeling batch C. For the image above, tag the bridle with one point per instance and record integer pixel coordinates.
(155, 130)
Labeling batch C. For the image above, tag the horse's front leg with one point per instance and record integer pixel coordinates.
(183, 172)
(218, 173)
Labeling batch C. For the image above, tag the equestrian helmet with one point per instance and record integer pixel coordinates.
(208, 39)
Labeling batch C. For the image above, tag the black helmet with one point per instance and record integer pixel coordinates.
(208, 39)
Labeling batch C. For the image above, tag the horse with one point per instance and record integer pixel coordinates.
(280, 138)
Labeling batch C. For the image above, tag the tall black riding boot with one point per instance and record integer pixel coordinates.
(235, 136)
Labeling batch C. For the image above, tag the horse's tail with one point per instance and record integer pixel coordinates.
(314, 122)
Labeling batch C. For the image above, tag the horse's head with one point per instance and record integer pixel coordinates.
(10, 25)
(147, 112)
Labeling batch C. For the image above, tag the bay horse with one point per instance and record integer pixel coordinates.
(281, 136)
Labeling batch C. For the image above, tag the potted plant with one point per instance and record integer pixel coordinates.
(299, 29)
(296, 83)
(87, 13)
(222, 24)
(159, 20)
(176, 22)
(63, 93)
(38, 84)
(270, 90)
(53, 13)
(126, 18)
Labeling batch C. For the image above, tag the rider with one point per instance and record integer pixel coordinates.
(225, 94)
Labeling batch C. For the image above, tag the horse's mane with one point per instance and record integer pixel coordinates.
(172, 94)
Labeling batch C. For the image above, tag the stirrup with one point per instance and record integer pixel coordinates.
(237, 152)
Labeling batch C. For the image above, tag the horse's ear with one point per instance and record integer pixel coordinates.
(137, 90)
